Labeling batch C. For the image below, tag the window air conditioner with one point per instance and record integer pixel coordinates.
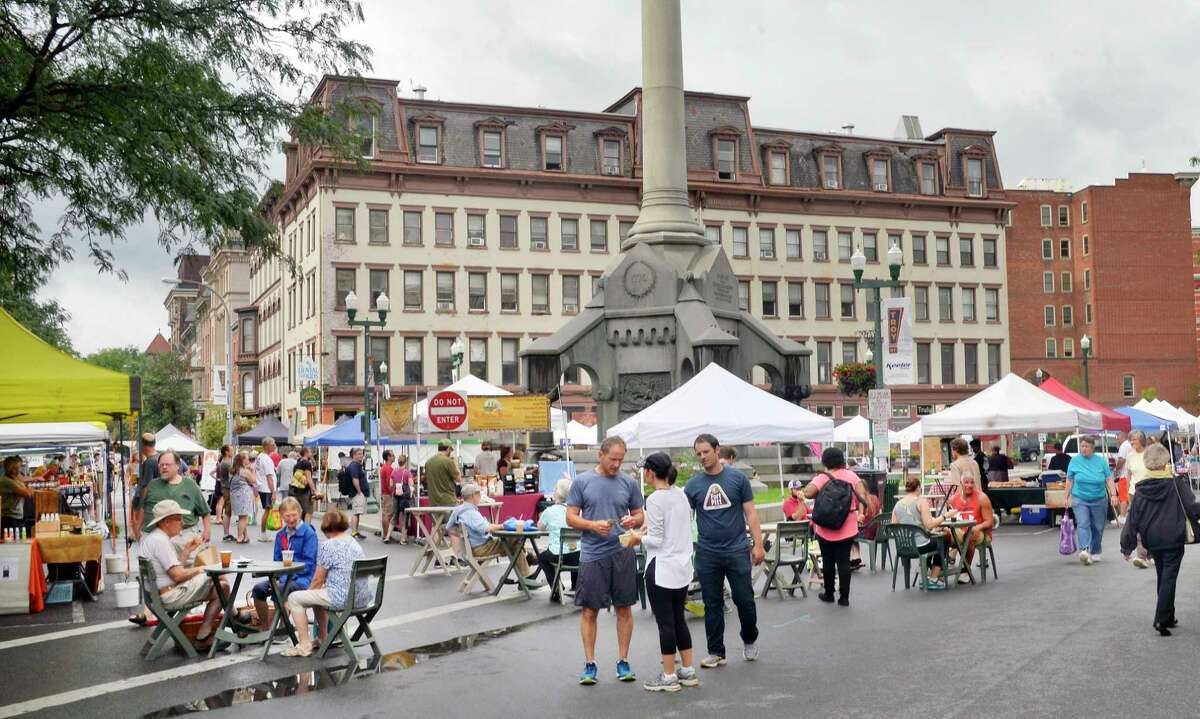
(475, 241)
(831, 184)
(445, 306)
(881, 187)
(570, 307)
(539, 245)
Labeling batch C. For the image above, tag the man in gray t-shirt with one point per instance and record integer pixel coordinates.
(599, 501)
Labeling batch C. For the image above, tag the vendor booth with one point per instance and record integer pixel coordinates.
(1146, 421)
(268, 427)
(1113, 420)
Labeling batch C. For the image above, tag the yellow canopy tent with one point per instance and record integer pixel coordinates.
(39, 383)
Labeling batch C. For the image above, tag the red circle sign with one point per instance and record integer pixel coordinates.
(448, 411)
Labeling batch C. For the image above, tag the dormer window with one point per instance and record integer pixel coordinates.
(975, 186)
(428, 144)
(831, 171)
(726, 158)
(554, 146)
(364, 125)
(779, 156)
(612, 157)
(554, 153)
(881, 173)
(927, 169)
(493, 152)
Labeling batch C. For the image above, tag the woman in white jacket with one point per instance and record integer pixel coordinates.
(667, 537)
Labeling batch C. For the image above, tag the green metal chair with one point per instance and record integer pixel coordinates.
(880, 542)
(170, 621)
(566, 537)
(369, 569)
(794, 557)
(909, 538)
(987, 557)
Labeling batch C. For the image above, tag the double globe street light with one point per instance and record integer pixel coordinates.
(382, 306)
(858, 263)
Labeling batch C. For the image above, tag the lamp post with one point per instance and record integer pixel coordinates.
(230, 327)
(858, 263)
(456, 358)
(1085, 345)
(382, 305)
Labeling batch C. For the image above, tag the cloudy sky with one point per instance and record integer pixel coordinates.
(1086, 91)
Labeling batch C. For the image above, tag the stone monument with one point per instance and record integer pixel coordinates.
(670, 305)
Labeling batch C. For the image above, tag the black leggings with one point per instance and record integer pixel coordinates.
(836, 555)
(667, 605)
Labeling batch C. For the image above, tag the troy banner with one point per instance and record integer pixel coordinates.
(528, 412)
(899, 363)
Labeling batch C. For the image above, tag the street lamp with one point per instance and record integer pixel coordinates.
(382, 305)
(231, 326)
(858, 263)
(1085, 344)
(456, 357)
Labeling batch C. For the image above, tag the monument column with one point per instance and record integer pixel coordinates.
(666, 216)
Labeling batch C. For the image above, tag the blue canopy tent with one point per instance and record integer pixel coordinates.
(348, 434)
(1147, 422)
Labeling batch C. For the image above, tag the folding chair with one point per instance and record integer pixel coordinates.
(987, 557)
(909, 538)
(566, 537)
(475, 569)
(170, 621)
(795, 535)
(880, 542)
(368, 569)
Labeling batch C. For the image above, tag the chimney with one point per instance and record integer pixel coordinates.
(848, 128)
(419, 91)
(909, 128)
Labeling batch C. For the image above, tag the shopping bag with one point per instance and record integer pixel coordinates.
(274, 521)
(1066, 536)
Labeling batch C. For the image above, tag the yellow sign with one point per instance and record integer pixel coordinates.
(529, 412)
(395, 416)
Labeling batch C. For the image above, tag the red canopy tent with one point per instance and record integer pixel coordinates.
(1113, 420)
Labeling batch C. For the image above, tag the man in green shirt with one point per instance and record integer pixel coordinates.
(441, 476)
(170, 484)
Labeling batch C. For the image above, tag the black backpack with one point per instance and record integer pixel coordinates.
(345, 484)
(832, 505)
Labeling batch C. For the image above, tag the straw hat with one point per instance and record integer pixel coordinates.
(167, 508)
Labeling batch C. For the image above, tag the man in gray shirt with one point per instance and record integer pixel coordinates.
(485, 461)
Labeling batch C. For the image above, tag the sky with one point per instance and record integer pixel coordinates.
(1085, 91)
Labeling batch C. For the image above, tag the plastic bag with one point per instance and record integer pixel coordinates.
(274, 521)
(1066, 536)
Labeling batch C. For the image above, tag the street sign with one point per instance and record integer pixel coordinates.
(448, 411)
(879, 406)
(310, 396)
(306, 370)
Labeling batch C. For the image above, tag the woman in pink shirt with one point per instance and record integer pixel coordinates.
(836, 543)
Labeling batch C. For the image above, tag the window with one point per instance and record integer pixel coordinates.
(445, 360)
(412, 228)
(929, 183)
(1064, 281)
(1087, 313)
(968, 304)
(831, 172)
(870, 309)
(427, 144)
(791, 244)
(849, 351)
(623, 229)
(1083, 212)
(508, 232)
(871, 246)
(247, 336)
(1051, 348)
(966, 251)
(845, 246)
(822, 295)
(918, 250)
(1087, 246)
(1064, 249)
(851, 410)
(476, 231)
(344, 224)
(345, 360)
(766, 243)
(540, 284)
(770, 304)
(477, 291)
(445, 291)
(1047, 249)
(779, 168)
(1047, 216)
(945, 304)
(492, 155)
(823, 410)
(847, 301)
(820, 245)
(901, 411)
(921, 299)
(477, 357)
(554, 152)
(795, 299)
(377, 227)
(599, 236)
(612, 157)
(712, 233)
(365, 126)
(879, 175)
(509, 293)
(414, 371)
(1064, 216)
(597, 285)
(1087, 279)
(413, 289)
(538, 233)
(744, 295)
(570, 294)
(377, 355)
(569, 233)
(443, 223)
(509, 369)
(897, 292)
(989, 252)
(943, 250)
(1050, 315)
(991, 304)
(726, 159)
(248, 391)
(923, 373)
(741, 242)
(1047, 282)
(993, 362)
(824, 363)
(1068, 316)
(343, 284)
(377, 284)
(971, 363)
(975, 177)
(1068, 347)
(1127, 385)
(947, 349)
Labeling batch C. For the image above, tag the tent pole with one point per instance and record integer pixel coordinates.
(779, 459)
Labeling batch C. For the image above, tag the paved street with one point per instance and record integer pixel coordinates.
(1050, 638)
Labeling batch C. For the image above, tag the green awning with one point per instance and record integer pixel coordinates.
(39, 383)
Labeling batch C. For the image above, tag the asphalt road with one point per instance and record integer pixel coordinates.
(1049, 638)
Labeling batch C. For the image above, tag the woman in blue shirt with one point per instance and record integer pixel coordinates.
(553, 520)
(1091, 488)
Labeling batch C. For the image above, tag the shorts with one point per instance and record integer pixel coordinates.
(1123, 489)
(190, 593)
(387, 503)
(264, 499)
(309, 598)
(610, 581)
(358, 504)
(243, 501)
(304, 497)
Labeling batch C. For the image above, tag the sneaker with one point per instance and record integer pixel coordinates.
(625, 672)
(1140, 563)
(1085, 557)
(934, 584)
(663, 683)
(712, 661)
(843, 601)
(1096, 558)
(229, 538)
(266, 538)
(588, 677)
(964, 579)
(687, 676)
(750, 653)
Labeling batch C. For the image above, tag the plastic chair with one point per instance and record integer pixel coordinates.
(367, 569)
(987, 557)
(566, 537)
(170, 621)
(909, 538)
(880, 542)
(796, 536)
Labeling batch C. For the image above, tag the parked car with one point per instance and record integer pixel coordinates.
(1107, 446)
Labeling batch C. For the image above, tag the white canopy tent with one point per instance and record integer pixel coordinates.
(910, 434)
(1166, 410)
(169, 438)
(1010, 405)
(577, 434)
(858, 429)
(50, 434)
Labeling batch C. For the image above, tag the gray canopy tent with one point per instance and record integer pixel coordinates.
(269, 427)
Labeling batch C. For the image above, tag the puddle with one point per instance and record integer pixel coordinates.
(323, 678)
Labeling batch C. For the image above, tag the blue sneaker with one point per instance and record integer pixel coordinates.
(625, 672)
(588, 677)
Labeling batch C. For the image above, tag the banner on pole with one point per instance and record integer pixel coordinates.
(395, 417)
(525, 412)
(899, 363)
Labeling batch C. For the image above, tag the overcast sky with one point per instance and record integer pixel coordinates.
(1086, 91)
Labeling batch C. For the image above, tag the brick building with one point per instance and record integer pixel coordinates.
(1114, 263)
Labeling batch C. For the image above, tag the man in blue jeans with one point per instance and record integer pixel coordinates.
(1091, 488)
(724, 506)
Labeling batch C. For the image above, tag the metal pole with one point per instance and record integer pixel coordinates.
(779, 458)
(229, 327)
(1086, 388)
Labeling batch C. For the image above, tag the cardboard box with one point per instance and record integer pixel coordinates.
(1056, 499)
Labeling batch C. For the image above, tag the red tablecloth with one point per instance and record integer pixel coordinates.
(37, 580)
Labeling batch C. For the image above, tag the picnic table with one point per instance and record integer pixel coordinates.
(231, 630)
(514, 544)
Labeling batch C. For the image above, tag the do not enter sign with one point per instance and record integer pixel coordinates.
(448, 411)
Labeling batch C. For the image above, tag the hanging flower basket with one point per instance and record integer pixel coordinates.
(854, 379)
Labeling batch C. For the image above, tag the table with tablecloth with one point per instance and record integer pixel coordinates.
(1010, 498)
(70, 557)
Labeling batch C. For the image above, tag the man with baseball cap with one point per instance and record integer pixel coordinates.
(179, 586)
(442, 476)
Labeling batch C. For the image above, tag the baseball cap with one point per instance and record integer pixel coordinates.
(659, 463)
(796, 484)
(444, 444)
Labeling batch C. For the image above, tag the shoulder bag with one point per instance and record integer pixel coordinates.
(1191, 531)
